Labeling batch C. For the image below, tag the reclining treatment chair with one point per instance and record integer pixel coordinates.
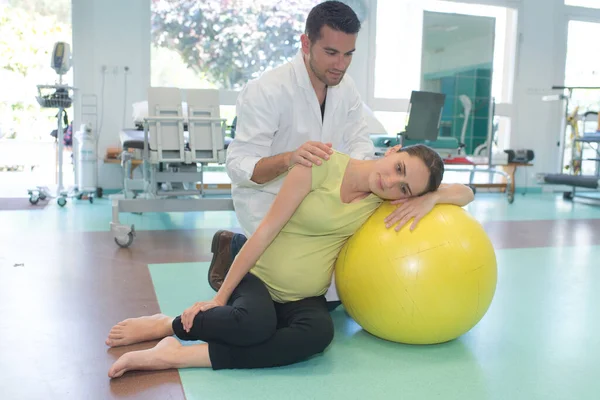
(175, 148)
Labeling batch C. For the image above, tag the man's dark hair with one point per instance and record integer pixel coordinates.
(336, 15)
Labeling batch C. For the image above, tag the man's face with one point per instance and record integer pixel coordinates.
(329, 57)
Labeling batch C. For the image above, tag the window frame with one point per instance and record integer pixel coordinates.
(502, 109)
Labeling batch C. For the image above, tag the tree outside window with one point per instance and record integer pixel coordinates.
(223, 43)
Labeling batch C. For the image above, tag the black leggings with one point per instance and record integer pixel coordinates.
(253, 331)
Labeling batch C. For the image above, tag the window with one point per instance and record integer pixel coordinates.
(399, 42)
(220, 44)
(582, 69)
(397, 48)
(394, 122)
(583, 3)
(28, 31)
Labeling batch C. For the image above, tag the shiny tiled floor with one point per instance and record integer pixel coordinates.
(63, 283)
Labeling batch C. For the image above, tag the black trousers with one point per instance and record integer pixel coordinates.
(253, 331)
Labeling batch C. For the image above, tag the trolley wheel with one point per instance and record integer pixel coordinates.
(127, 243)
(99, 192)
(34, 199)
(62, 201)
(511, 198)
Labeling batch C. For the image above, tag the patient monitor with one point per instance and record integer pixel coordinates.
(61, 58)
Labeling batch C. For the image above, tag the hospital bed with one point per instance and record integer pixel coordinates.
(174, 147)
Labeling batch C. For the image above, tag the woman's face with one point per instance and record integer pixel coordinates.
(399, 176)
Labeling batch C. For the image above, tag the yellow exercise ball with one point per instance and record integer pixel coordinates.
(427, 286)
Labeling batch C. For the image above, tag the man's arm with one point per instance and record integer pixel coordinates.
(249, 160)
(309, 153)
(257, 122)
(269, 168)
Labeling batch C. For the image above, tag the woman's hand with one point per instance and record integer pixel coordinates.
(187, 318)
(414, 207)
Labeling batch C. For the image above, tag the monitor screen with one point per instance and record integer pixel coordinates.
(425, 113)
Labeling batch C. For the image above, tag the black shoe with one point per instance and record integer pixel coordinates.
(221, 261)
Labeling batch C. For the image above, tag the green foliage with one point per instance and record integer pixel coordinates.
(59, 10)
(26, 39)
(28, 31)
(230, 41)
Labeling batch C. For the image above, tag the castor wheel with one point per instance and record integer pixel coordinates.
(511, 198)
(127, 242)
(62, 201)
(42, 196)
(99, 192)
(34, 200)
(91, 199)
(568, 195)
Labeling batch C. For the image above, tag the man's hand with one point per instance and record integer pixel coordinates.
(414, 207)
(187, 318)
(310, 153)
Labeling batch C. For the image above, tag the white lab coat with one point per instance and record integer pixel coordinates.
(279, 112)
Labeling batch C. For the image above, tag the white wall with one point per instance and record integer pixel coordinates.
(536, 124)
(112, 33)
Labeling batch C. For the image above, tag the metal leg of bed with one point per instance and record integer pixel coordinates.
(125, 234)
(510, 196)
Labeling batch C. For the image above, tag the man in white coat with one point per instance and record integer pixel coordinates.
(293, 114)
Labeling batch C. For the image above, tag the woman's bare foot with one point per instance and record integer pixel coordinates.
(135, 330)
(158, 357)
(168, 353)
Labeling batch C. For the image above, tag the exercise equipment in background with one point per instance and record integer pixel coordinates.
(422, 127)
(522, 156)
(424, 120)
(580, 138)
(427, 286)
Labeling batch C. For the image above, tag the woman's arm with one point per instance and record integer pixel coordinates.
(295, 188)
(418, 207)
(454, 193)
